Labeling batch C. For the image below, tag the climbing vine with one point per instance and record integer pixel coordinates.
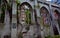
(28, 17)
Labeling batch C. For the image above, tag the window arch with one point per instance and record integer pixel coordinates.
(25, 13)
(45, 20)
(45, 16)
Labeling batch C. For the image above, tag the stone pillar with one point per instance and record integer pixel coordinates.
(14, 20)
(51, 20)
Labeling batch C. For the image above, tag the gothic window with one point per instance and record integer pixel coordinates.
(45, 16)
(45, 20)
(25, 14)
(56, 17)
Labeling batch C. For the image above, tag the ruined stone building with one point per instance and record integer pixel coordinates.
(29, 19)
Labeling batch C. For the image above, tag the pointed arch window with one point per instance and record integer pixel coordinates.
(25, 14)
(45, 16)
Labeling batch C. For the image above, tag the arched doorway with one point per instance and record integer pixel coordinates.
(45, 20)
(57, 20)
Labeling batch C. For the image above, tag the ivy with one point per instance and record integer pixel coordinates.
(56, 36)
(18, 2)
(28, 17)
(3, 7)
(8, 6)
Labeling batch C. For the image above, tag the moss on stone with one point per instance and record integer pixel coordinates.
(55, 36)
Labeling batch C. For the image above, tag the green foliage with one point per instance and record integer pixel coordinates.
(28, 17)
(3, 13)
(3, 8)
(48, 36)
(18, 2)
(8, 6)
(56, 36)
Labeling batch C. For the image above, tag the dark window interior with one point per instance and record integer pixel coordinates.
(55, 30)
(58, 20)
(58, 17)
